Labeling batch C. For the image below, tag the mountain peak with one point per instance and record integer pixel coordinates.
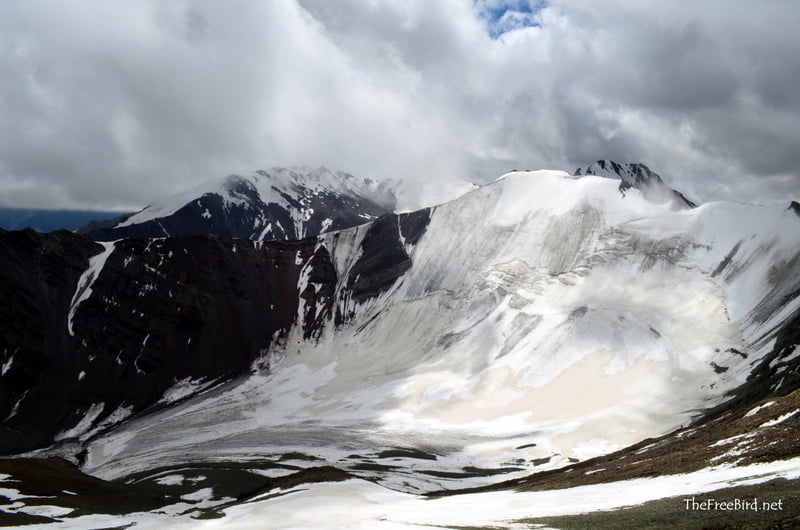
(632, 173)
(277, 203)
(639, 176)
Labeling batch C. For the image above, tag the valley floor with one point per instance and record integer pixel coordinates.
(748, 454)
(703, 499)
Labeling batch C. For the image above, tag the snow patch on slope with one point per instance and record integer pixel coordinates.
(83, 425)
(84, 288)
(360, 504)
(166, 206)
(181, 389)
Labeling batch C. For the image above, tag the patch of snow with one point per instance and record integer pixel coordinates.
(183, 388)
(593, 471)
(146, 288)
(273, 472)
(166, 234)
(45, 510)
(267, 229)
(7, 366)
(361, 504)
(779, 419)
(84, 288)
(119, 414)
(759, 408)
(199, 495)
(12, 494)
(592, 448)
(792, 356)
(15, 408)
(171, 480)
(84, 425)
(326, 224)
(737, 438)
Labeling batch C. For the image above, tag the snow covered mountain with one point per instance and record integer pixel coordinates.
(281, 203)
(539, 322)
(640, 177)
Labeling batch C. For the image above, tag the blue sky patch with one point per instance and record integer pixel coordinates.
(502, 16)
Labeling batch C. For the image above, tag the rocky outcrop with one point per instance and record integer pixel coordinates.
(159, 312)
(384, 258)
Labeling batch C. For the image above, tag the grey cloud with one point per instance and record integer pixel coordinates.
(115, 109)
(109, 105)
(696, 90)
(717, 69)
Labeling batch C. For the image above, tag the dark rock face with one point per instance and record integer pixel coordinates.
(319, 293)
(383, 261)
(383, 258)
(160, 311)
(39, 275)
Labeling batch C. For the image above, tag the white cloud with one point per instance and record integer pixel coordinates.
(159, 95)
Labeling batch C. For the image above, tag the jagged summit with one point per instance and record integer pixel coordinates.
(639, 176)
(279, 203)
(632, 173)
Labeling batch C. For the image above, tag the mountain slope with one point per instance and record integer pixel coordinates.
(487, 335)
(94, 333)
(538, 322)
(280, 203)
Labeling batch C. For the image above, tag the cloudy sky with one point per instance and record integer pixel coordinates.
(107, 104)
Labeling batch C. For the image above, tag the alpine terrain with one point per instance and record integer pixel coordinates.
(280, 203)
(282, 350)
